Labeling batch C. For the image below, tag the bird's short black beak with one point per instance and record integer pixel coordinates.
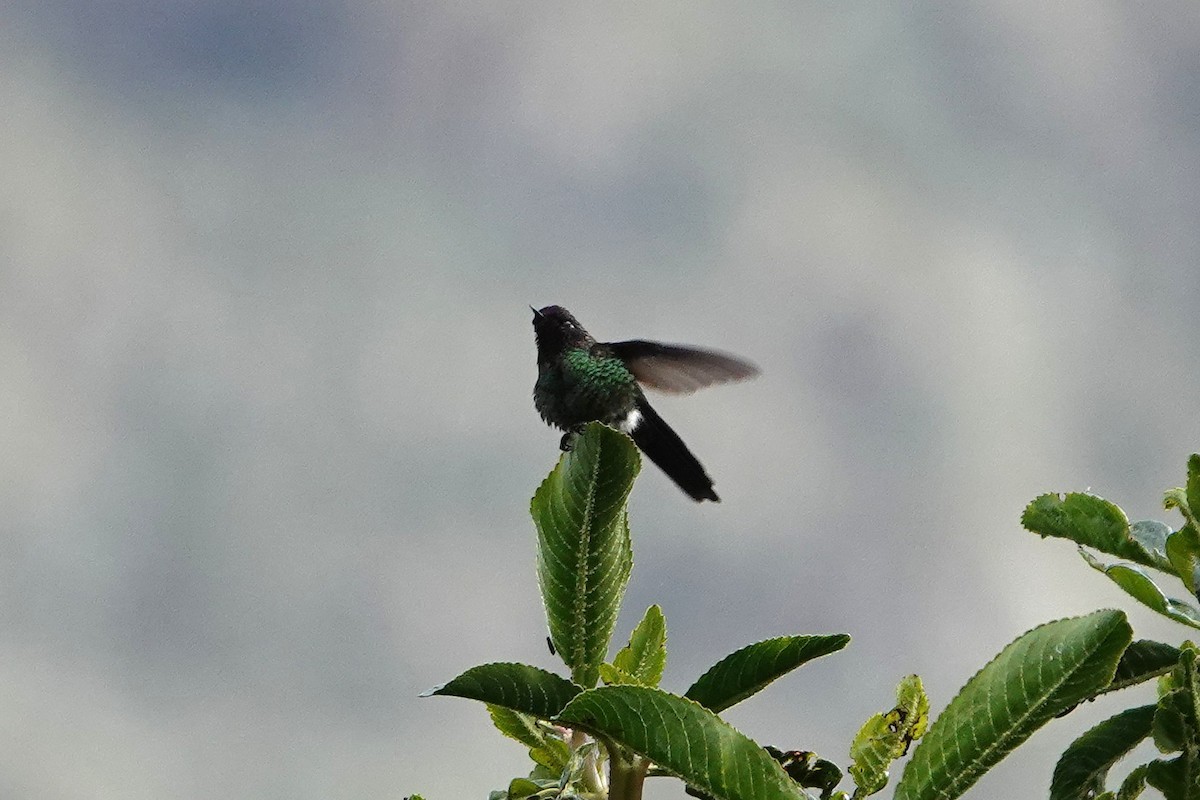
(536, 314)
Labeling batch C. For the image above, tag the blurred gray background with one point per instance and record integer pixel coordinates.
(266, 357)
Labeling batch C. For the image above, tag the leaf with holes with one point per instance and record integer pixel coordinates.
(886, 737)
(682, 738)
(584, 555)
(1041, 674)
(745, 672)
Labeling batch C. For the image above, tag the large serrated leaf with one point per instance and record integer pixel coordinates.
(746, 671)
(1041, 674)
(1141, 661)
(644, 658)
(1083, 767)
(1092, 521)
(1141, 587)
(584, 554)
(683, 738)
(519, 687)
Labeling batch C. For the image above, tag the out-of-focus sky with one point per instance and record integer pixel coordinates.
(266, 361)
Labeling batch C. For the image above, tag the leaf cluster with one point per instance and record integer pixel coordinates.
(1145, 549)
(608, 726)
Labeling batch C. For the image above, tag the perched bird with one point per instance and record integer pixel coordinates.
(581, 380)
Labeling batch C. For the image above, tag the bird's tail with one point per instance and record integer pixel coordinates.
(664, 447)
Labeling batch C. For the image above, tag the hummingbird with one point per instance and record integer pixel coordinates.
(581, 380)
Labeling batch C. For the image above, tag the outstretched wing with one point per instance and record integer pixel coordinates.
(678, 369)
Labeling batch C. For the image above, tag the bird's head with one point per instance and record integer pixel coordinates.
(555, 330)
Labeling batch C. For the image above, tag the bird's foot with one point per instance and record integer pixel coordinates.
(567, 443)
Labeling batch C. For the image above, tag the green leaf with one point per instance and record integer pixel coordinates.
(1141, 661)
(1183, 550)
(517, 726)
(1151, 535)
(684, 739)
(553, 754)
(584, 555)
(545, 749)
(1177, 779)
(1134, 783)
(1187, 499)
(522, 788)
(519, 687)
(1193, 488)
(886, 737)
(1044, 672)
(1171, 723)
(645, 656)
(1083, 768)
(1142, 588)
(746, 671)
(611, 675)
(1177, 498)
(1095, 522)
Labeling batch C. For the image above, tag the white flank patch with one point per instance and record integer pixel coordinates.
(631, 422)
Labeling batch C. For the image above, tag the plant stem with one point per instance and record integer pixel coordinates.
(626, 775)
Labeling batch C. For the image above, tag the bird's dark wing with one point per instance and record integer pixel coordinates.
(678, 369)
